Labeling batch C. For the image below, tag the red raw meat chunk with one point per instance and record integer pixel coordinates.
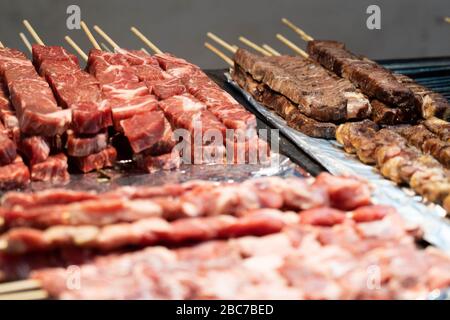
(54, 169)
(111, 74)
(164, 89)
(84, 145)
(98, 57)
(151, 164)
(147, 129)
(75, 80)
(90, 118)
(14, 175)
(346, 193)
(36, 149)
(54, 68)
(10, 58)
(124, 109)
(185, 111)
(124, 90)
(20, 72)
(138, 57)
(41, 53)
(219, 102)
(168, 62)
(37, 109)
(150, 73)
(8, 150)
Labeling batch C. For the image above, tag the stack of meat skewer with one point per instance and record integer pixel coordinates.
(404, 151)
(55, 115)
(266, 238)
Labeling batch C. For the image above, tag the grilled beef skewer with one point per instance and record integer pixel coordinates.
(383, 114)
(284, 107)
(318, 93)
(378, 82)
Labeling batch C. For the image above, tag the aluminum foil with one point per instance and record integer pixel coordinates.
(124, 174)
(430, 217)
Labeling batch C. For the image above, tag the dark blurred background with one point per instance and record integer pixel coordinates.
(409, 28)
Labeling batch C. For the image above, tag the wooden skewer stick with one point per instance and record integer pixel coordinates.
(144, 39)
(254, 46)
(33, 33)
(1, 45)
(90, 35)
(76, 48)
(25, 41)
(106, 37)
(447, 19)
(104, 47)
(219, 53)
(27, 295)
(292, 46)
(271, 50)
(19, 286)
(297, 30)
(223, 43)
(143, 49)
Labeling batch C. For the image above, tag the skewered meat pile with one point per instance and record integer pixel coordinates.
(318, 97)
(396, 91)
(283, 238)
(51, 109)
(316, 94)
(397, 159)
(408, 153)
(143, 210)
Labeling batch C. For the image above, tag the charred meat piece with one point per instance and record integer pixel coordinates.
(383, 114)
(432, 104)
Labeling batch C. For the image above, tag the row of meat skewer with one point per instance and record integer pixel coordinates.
(332, 93)
(267, 238)
(57, 116)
